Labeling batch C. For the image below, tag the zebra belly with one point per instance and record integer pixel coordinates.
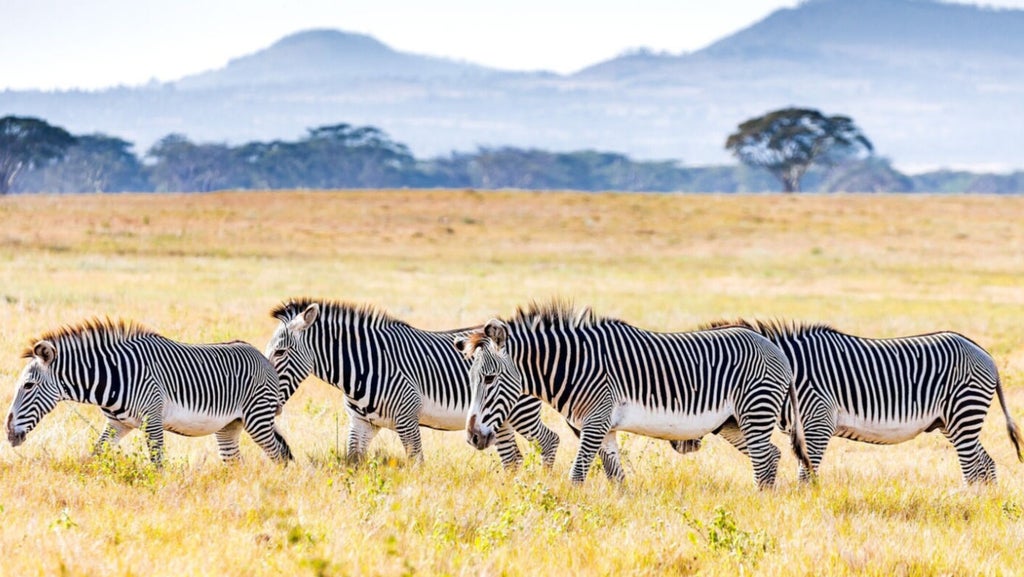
(663, 424)
(882, 432)
(437, 416)
(194, 423)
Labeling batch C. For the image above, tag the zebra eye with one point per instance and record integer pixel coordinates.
(279, 353)
(29, 385)
(489, 379)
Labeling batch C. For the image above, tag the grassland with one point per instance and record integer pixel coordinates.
(209, 267)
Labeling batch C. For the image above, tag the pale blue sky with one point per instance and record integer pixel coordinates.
(98, 43)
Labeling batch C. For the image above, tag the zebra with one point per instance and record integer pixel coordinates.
(139, 378)
(392, 375)
(887, 391)
(604, 375)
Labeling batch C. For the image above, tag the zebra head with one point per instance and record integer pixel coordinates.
(38, 392)
(290, 352)
(494, 380)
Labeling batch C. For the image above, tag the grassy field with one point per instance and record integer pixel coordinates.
(210, 267)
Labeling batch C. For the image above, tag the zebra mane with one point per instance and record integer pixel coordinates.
(291, 308)
(473, 341)
(93, 329)
(556, 312)
(769, 329)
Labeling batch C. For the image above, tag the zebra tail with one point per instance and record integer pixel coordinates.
(1011, 427)
(797, 435)
(286, 451)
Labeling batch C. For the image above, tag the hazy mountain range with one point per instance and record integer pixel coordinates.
(932, 85)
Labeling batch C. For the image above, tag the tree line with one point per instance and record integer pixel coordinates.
(812, 153)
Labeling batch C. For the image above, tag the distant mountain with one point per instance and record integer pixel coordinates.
(318, 56)
(932, 84)
(856, 35)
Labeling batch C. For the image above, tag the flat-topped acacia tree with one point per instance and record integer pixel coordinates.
(789, 141)
(26, 142)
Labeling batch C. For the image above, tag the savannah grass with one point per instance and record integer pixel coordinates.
(209, 267)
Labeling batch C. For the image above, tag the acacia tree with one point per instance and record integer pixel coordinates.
(95, 163)
(27, 142)
(789, 141)
(180, 165)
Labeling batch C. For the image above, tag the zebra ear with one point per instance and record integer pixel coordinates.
(497, 331)
(45, 352)
(307, 318)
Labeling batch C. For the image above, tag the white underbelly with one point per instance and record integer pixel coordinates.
(665, 424)
(437, 416)
(192, 423)
(881, 431)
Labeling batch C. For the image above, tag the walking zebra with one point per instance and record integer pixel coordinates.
(393, 375)
(886, 391)
(141, 379)
(604, 376)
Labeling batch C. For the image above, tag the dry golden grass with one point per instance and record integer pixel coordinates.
(210, 267)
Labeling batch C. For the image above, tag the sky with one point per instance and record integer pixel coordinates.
(62, 44)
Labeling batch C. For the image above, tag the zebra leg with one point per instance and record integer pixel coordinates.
(111, 435)
(976, 465)
(525, 420)
(548, 441)
(227, 441)
(360, 433)
(754, 440)
(610, 458)
(600, 452)
(260, 425)
(507, 448)
(153, 426)
(764, 456)
(408, 429)
(819, 426)
(546, 438)
(817, 434)
(592, 435)
(730, 431)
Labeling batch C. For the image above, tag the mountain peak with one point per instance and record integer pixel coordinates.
(330, 40)
(323, 55)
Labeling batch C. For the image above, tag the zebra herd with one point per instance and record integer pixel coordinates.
(740, 380)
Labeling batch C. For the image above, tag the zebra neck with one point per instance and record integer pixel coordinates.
(344, 357)
(92, 378)
(538, 380)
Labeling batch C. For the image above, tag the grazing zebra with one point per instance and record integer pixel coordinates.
(604, 376)
(141, 379)
(886, 391)
(393, 375)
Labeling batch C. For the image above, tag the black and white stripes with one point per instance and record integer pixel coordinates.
(604, 375)
(392, 374)
(888, 391)
(141, 379)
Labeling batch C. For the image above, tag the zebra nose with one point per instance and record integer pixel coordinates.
(478, 438)
(15, 438)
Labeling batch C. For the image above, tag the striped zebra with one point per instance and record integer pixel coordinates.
(604, 376)
(139, 378)
(887, 391)
(392, 374)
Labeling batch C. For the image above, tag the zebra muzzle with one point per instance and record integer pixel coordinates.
(15, 437)
(479, 438)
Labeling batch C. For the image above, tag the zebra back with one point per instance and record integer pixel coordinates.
(566, 353)
(111, 363)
